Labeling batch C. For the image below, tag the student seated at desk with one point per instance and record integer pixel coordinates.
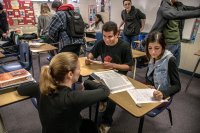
(115, 54)
(162, 70)
(96, 26)
(59, 107)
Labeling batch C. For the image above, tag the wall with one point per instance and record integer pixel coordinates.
(188, 59)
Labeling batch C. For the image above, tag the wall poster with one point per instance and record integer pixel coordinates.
(19, 12)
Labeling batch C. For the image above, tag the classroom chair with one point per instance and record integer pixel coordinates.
(25, 59)
(156, 112)
(11, 47)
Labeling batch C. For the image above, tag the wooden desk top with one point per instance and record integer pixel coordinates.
(197, 53)
(124, 100)
(1, 50)
(87, 70)
(43, 48)
(137, 42)
(90, 31)
(10, 97)
(1, 55)
(88, 39)
(137, 53)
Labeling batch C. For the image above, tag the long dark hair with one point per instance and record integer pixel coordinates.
(100, 19)
(158, 37)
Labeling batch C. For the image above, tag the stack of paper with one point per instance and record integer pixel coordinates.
(143, 96)
(115, 81)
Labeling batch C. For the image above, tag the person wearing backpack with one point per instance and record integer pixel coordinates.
(4, 29)
(133, 20)
(67, 28)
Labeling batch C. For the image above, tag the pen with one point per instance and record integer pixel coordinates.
(158, 88)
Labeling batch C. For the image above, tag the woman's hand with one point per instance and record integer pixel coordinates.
(158, 95)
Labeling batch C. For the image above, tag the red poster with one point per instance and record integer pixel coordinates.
(19, 12)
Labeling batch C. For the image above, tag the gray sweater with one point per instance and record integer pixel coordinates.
(167, 12)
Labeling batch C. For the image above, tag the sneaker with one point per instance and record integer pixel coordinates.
(104, 128)
(49, 58)
(102, 106)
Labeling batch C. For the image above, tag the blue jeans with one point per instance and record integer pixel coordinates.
(131, 39)
(176, 51)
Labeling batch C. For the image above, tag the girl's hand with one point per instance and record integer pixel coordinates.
(158, 95)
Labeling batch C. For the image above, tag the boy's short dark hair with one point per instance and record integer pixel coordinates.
(56, 4)
(126, 0)
(1, 6)
(110, 26)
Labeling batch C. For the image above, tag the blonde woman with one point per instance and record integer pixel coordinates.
(44, 19)
(59, 107)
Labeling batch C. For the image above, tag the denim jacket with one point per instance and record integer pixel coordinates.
(158, 71)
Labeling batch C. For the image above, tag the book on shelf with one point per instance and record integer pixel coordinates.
(115, 81)
(14, 78)
(143, 96)
(36, 45)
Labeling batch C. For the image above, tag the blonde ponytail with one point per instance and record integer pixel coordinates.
(54, 75)
(47, 83)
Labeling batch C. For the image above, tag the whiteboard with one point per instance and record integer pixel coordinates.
(188, 28)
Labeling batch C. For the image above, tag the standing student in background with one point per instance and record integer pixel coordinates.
(44, 19)
(133, 20)
(115, 54)
(55, 5)
(4, 29)
(162, 72)
(167, 22)
(59, 107)
(58, 29)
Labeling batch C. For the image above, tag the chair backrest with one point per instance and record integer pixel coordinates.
(99, 36)
(25, 55)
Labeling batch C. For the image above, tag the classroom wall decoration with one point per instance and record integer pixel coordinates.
(19, 12)
(92, 10)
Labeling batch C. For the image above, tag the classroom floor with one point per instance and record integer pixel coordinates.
(22, 117)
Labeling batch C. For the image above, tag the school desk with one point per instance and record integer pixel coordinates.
(1, 55)
(136, 54)
(122, 98)
(41, 49)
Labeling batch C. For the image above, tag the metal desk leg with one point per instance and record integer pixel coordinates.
(188, 84)
(32, 64)
(39, 61)
(141, 124)
(96, 113)
(90, 112)
(135, 67)
(3, 126)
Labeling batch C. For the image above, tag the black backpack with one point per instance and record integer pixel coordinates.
(75, 27)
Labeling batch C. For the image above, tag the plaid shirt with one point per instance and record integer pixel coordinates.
(57, 31)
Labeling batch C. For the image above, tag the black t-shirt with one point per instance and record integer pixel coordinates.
(132, 21)
(119, 53)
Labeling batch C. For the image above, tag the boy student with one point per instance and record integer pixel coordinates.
(58, 29)
(133, 20)
(167, 22)
(115, 54)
